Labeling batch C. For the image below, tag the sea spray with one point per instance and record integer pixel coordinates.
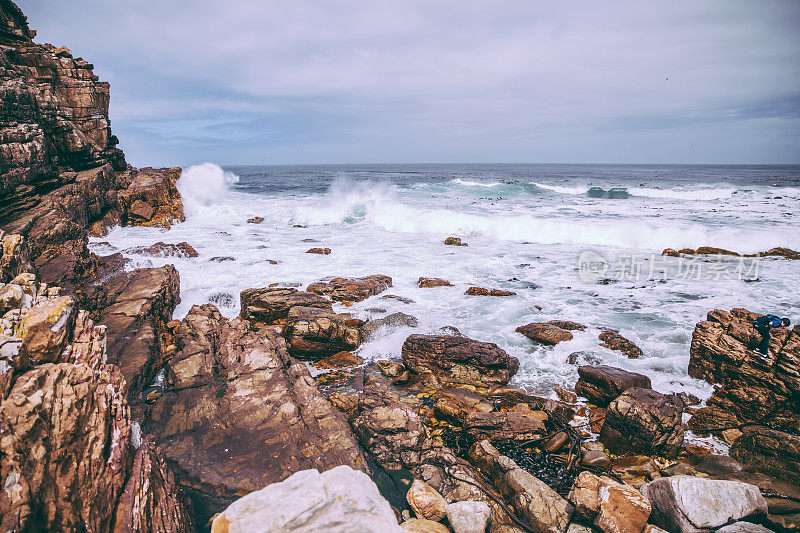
(204, 185)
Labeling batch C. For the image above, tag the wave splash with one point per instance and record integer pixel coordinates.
(203, 186)
(650, 192)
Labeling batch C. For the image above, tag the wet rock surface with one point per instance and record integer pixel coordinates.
(162, 249)
(433, 282)
(550, 333)
(459, 359)
(351, 289)
(312, 332)
(601, 384)
(273, 303)
(611, 339)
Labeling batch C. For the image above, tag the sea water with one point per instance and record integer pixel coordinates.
(531, 229)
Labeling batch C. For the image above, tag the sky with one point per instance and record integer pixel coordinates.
(378, 81)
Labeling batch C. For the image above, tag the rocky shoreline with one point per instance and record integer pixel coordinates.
(115, 417)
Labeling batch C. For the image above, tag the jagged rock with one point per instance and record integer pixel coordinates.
(64, 448)
(457, 403)
(550, 333)
(340, 500)
(480, 291)
(351, 289)
(754, 389)
(769, 450)
(458, 359)
(135, 308)
(314, 332)
(390, 430)
(433, 282)
(152, 499)
(504, 426)
(612, 340)
(149, 197)
(468, 516)
(614, 507)
(390, 369)
(540, 505)
(273, 303)
(44, 328)
(688, 504)
(255, 220)
(320, 251)
(88, 345)
(162, 249)
(425, 501)
(13, 360)
(390, 322)
(786, 253)
(14, 256)
(233, 393)
(454, 241)
(601, 384)
(643, 421)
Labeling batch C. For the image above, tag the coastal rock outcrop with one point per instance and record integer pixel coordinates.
(457, 359)
(239, 413)
(550, 333)
(312, 332)
(273, 303)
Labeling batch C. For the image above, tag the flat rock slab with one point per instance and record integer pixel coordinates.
(351, 289)
(601, 384)
(550, 333)
(273, 303)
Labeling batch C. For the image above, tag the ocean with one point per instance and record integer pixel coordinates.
(575, 242)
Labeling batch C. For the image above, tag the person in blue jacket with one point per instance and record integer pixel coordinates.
(764, 324)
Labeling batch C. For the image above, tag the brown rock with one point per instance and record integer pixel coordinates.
(421, 525)
(612, 340)
(45, 326)
(769, 450)
(643, 421)
(601, 384)
(623, 509)
(64, 449)
(140, 209)
(425, 501)
(458, 359)
(565, 395)
(390, 430)
(233, 393)
(433, 282)
(711, 250)
(595, 458)
(585, 494)
(351, 289)
(786, 253)
(390, 369)
(152, 500)
(321, 251)
(398, 298)
(162, 249)
(549, 333)
(556, 442)
(511, 425)
(272, 303)
(339, 360)
(457, 403)
(636, 470)
(480, 291)
(313, 332)
(255, 220)
(670, 252)
(454, 241)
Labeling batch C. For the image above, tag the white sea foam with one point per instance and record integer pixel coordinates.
(467, 183)
(560, 189)
(204, 185)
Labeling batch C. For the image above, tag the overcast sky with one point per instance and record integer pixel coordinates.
(426, 81)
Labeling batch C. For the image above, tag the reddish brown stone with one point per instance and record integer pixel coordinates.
(351, 289)
(433, 282)
(480, 291)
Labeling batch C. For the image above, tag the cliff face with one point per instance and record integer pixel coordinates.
(54, 116)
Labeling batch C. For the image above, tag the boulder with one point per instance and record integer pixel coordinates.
(390, 369)
(255, 220)
(480, 291)
(454, 241)
(64, 449)
(320, 251)
(433, 282)
(786, 253)
(686, 504)
(425, 501)
(468, 516)
(612, 506)
(44, 328)
(601, 384)
(770, 450)
(351, 289)
(162, 249)
(550, 333)
(636, 470)
(239, 413)
(540, 505)
(339, 500)
(643, 421)
(14, 256)
(388, 323)
(339, 360)
(457, 359)
(421, 525)
(273, 303)
(611, 339)
(152, 499)
(312, 332)
(505, 426)
(457, 403)
(389, 429)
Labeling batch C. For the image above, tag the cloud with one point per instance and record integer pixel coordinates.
(442, 81)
